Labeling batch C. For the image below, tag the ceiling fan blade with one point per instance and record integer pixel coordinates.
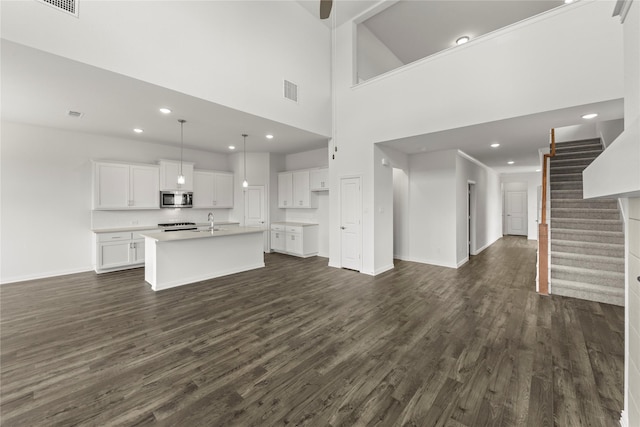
(325, 8)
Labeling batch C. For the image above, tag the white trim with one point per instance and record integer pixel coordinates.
(50, 274)
(624, 419)
(361, 182)
(383, 269)
(432, 262)
(477, 251)
(621, 9)
(463, 262)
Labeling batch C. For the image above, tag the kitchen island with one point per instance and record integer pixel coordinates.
(183, 257)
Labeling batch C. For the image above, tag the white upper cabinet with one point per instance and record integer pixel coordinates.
(212, 189)
(169, 171)
(301, 190)
(294, 190)
(319, 179)
(125, 186)
(285, 190)
(223, 190)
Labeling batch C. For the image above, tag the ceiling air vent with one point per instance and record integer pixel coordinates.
(291, 91)
(68, 6)
(76, 114)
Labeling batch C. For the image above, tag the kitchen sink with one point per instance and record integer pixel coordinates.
(209, 230)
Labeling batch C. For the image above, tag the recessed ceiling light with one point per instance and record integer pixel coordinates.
(232, 147)
(462, 40)
(590, 116)
(568, 1)
(138, 130)
(537, 170)
(165, 110)
(510, 162)
(495, 145)
(269, 136)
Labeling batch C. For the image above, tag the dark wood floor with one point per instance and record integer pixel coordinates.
(299, 343)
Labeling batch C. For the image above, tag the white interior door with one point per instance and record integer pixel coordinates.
(517, 213)
(255, 210)
(351, 223)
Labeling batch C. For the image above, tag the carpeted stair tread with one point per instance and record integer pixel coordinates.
(588, 291)
(584, 203)
(577, 154)
(588, 262)
(592, 236)
(585, 275)
(588, 248)
(587, 224)
(584, 213)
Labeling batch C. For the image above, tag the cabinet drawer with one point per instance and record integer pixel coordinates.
(112, 237)
(293, 229)
(278, 227)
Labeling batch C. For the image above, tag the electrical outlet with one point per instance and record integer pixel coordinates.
(134, 222)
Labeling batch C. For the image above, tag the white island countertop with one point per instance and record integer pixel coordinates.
(200, 234)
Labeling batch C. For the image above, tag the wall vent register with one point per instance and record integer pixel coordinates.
(67, 6)
(291, 91)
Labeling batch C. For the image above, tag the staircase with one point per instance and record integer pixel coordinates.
(587, 237)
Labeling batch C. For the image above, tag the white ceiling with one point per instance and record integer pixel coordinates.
(520, 138)
(414, 29)
(40, 88)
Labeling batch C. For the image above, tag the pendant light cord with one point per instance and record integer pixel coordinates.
(181, 143)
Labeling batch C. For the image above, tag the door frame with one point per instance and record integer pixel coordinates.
(341, 178)
(471, 217)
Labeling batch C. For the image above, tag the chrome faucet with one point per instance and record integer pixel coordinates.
(210, 219)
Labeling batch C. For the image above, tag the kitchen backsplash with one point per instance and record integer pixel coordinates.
(108, 219)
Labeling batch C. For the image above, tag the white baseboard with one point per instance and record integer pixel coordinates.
(624, 419)
(463, 262)
(47, 275)
(477, 251)
(432, 262)
(202, 277)
(382, 269)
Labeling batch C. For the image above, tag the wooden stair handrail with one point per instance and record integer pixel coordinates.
(545, 162)
(543, 229)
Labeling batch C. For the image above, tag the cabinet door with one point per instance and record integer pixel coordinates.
(137, 252)
(278, 241)
(169, 171)
(111, 186)
(319, 179)
(285, 189)
(144, 186)
(223, 190)
(114, 254)
(203, 189)
(301, 191)
(294, 243)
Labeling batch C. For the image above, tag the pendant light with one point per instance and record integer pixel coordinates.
(245, 184)
(181, 179)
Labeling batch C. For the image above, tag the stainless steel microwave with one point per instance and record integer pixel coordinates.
(176, 199)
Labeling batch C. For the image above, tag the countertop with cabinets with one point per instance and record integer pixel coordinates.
(155, 227)
(295, 238)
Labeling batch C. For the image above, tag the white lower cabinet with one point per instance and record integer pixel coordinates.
(118, 251)
(295, 239)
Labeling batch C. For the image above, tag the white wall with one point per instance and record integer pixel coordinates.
(400, 214)
(234, 53)
(528, 182)
(439, 93)
(488, 215)
(576, 132)
(374, 57)
(609, 130)
(46, 186)
(307, 159)
(432, 207)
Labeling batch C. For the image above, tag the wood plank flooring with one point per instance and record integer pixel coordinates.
(299, 343)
